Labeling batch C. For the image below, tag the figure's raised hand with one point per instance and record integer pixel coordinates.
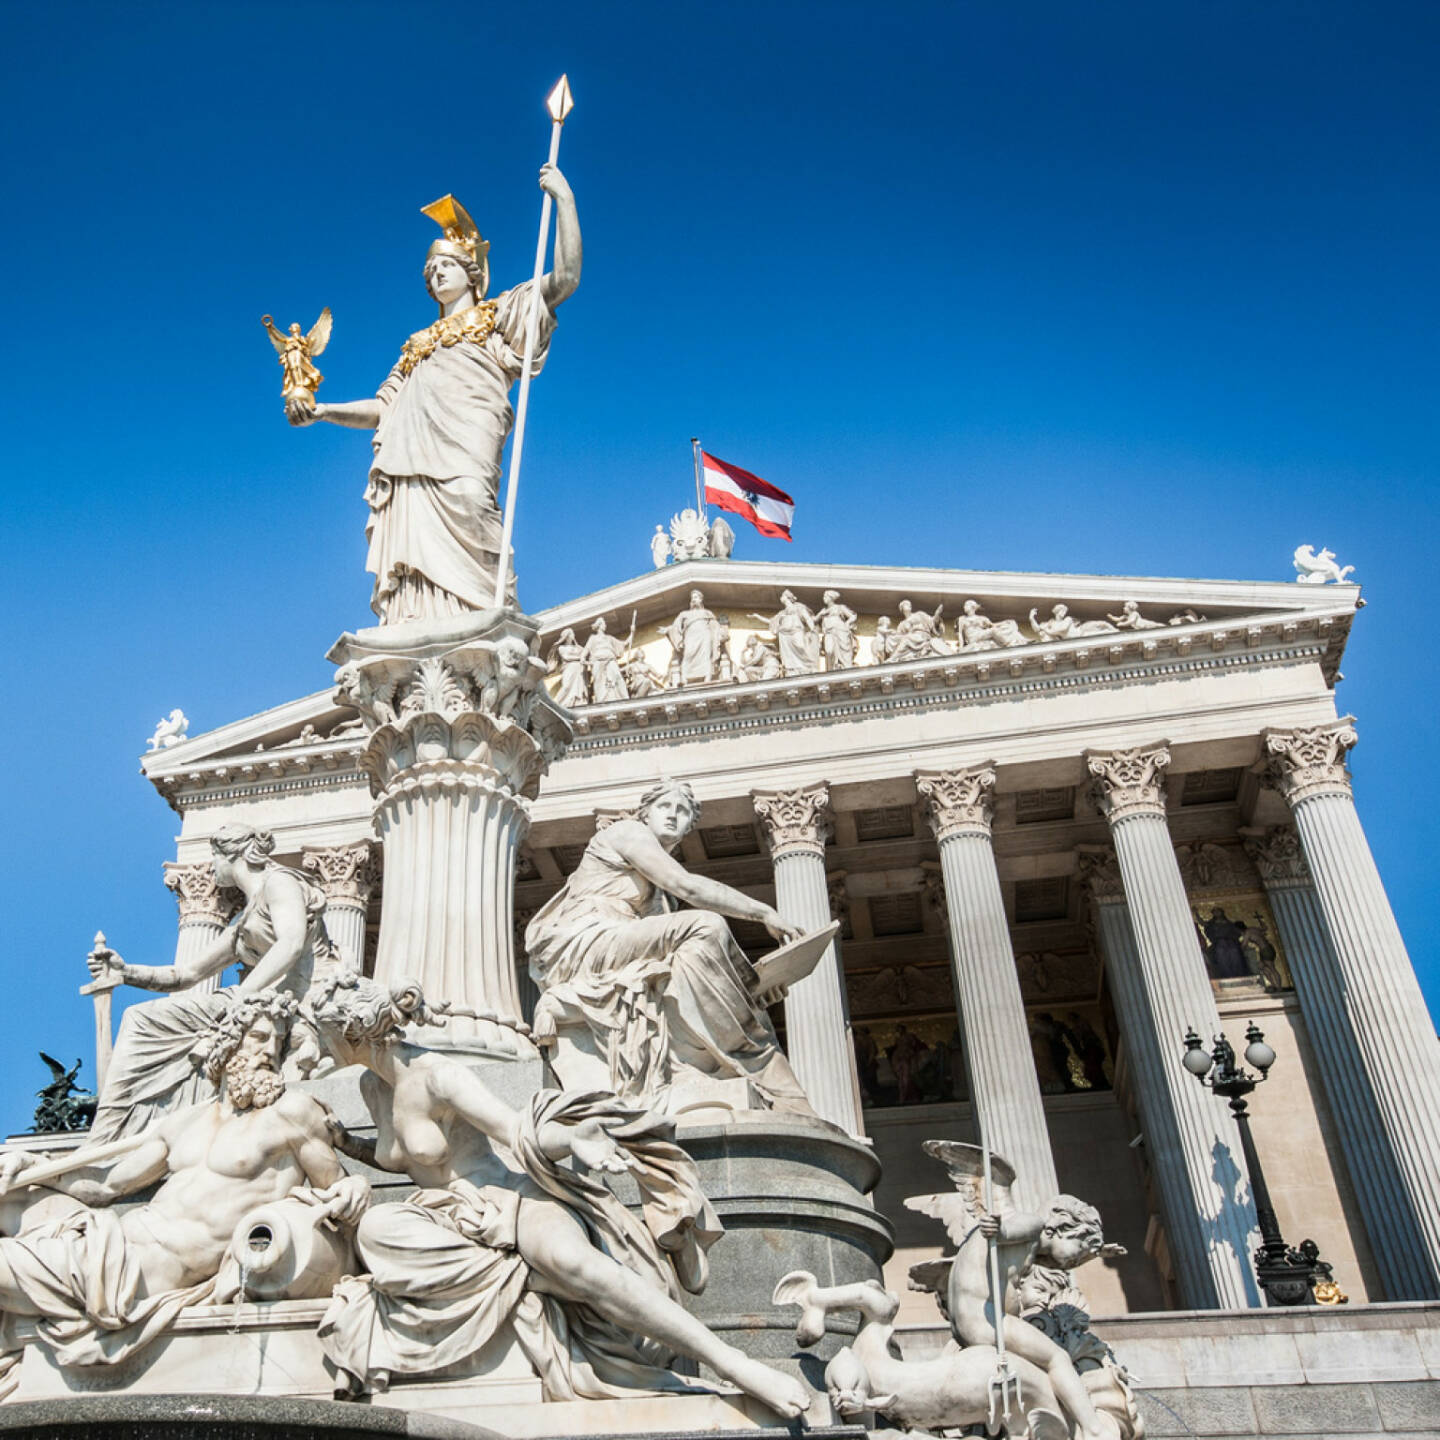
(301, 410)
(553, 183)
(989, 1224)
(594, 1146)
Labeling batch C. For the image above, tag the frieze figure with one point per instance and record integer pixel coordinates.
(796, 635)
(1062, 625)
(917, 636)
(442, 417)
(567, 659)
(603, 653)
(694, 636)
(882, 642)
(837, 631)
(640, 679)
(1130, 618)
(759, 661)
(974, 630)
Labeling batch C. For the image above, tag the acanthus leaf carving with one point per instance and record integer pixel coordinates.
(1100, 874)
(1129, 782)
(958, 802)
(200, 900)
(1309, 762)
(794, 820)
(346, 873)
(1278, 856)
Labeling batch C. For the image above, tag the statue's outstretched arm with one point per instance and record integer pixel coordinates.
(560, 284)
(132, 1172)
(352, 414)
(662, 870)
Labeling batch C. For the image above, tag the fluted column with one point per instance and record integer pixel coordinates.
(1371, 991)
(347, 874)
(205, 910)
(1004, 1088)
(817, 1027)
(1195, 1149)
(1395, 1236)
(461, 729)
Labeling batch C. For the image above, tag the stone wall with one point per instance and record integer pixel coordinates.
(1367, 1370)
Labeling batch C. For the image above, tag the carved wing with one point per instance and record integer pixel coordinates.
(965, 1164)
(958, 1213)
(276, 338)
(932, 1275)
(319, 336)
(57, 1070)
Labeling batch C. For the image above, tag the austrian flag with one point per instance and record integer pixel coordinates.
(769, 510)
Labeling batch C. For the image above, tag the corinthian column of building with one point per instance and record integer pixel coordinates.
(1004, 1088)
(205, 910)
(1390, 1222)
(1163, 985)
(1379, 1013)
(817, 1028)
(347, 874)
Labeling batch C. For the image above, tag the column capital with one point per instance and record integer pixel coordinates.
(794, 821)
(1278, 856)
(1100, 874)
(1129, 782)
(344, 872)
(1310, 762)
(958, 802)
(200, 899)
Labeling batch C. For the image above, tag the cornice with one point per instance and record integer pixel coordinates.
(956, 680)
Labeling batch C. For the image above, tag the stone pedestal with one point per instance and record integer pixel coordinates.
(1004, 1087)
(817, 1026)
(1365, 991)
(461, 730)
(793, 1196)
(1162, 989)
(347, 874)
(205, 910)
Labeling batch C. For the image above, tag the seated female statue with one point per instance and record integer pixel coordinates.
(657, 986)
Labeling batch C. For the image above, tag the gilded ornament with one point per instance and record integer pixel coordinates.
(475, 324)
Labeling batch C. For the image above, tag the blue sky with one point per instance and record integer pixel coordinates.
(1120, 288)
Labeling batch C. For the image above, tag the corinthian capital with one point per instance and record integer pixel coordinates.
(1278, 856)
(201, 900)
(1307, 763)
(794, 820)
(958, 802)
(1129, 782)
(345, 873)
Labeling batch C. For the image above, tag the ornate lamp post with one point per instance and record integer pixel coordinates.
(1288, 1277)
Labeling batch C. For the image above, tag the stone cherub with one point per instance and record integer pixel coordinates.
(503, 691)
(297, 354)
(1069, 1384)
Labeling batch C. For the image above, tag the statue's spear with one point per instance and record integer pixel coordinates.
(559, 103)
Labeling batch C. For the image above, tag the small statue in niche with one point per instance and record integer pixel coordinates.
(63, 1104)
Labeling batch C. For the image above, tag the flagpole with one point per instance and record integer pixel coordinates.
(699, 483)
(559, 104)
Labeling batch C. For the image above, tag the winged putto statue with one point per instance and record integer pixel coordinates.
(1064, 1383)
(297, 354)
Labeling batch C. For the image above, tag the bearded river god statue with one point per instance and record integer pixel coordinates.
(442, 417)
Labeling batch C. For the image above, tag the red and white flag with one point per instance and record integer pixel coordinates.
(769, 510)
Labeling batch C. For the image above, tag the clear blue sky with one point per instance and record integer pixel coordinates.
(1131, 288)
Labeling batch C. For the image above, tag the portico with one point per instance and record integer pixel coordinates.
(1034, 905)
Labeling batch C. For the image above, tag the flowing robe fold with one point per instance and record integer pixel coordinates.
(435, 522)
(654, 985)
(445, 1274)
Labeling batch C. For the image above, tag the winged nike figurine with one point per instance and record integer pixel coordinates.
(297, 353)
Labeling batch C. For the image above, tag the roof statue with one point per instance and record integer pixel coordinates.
(1313, 569)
